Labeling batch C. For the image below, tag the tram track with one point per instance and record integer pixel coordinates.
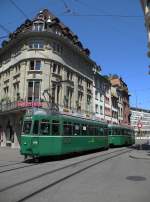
(110, 155)
(11, 164)
(17, 168)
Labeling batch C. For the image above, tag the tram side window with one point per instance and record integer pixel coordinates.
(45, 128)
(107, 131)
(84, 130)
(116, 131)
(76, 129)
(27, 127)
(90, 130)
(101, 131)
(119, 132)
(113, 132)
(55, 127)
(123, 132)
(67, 129)
(110, 131)
(35, 127)
(96, 131)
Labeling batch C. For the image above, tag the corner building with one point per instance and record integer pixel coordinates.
(43, 63)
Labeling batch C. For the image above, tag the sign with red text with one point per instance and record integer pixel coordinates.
(29, 104)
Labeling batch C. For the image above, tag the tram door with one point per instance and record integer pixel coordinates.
(35, 137)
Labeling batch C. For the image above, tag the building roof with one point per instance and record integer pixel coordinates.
(47, 17)
(140, 109)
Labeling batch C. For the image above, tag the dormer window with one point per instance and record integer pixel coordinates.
(38, 27)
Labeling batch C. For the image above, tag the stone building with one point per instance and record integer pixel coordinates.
(115, 105)
(43, 64)
(102, 98)
(122, 96)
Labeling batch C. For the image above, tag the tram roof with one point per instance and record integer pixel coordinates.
(119, 126)
(64, 116)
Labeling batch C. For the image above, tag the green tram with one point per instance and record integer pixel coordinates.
(120, 135)
(57, 134)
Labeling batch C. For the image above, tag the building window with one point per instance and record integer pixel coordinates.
(96, 95)
(96, 108)
(38, 27)
(37, 44)
(16, 91)
(69, 75)
(101, 110)
(68, 98)
(88, 85)
(101, 97)
(35, 65)
(33, 91)
(79, 81)
(57, 48)
(56, 68)
(6, 90)
(88, 99)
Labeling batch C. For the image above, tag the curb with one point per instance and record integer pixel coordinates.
(137, 157)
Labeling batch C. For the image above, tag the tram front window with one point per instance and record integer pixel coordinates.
(44, 128)
(27, 127)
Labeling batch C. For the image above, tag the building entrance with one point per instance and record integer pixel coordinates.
(9, 135)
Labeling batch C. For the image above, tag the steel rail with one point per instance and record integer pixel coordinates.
(61, 168)
(69, 176)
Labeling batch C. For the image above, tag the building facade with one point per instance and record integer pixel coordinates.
(43, 64)
(122, 97)
(140, 121)
(102, 98)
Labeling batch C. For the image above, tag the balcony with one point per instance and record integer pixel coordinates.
(20, 105)
(70, 84)
(57, 76)
(80, 88)
(89, 91)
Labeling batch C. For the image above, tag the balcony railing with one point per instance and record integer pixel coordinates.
(9, 106)
(22, 105)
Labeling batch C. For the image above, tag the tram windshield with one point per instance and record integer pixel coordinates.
(45, 128)
(27, 127)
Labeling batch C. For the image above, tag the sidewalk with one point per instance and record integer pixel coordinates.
(141, 152)
(10, 155)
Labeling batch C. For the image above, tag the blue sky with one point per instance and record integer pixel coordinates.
(117, 44)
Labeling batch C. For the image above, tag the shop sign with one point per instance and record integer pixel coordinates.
(29, 104)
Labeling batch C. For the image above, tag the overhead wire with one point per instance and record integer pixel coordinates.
(18, 8)
(4, 28)
(3, 37)
(105, 14)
